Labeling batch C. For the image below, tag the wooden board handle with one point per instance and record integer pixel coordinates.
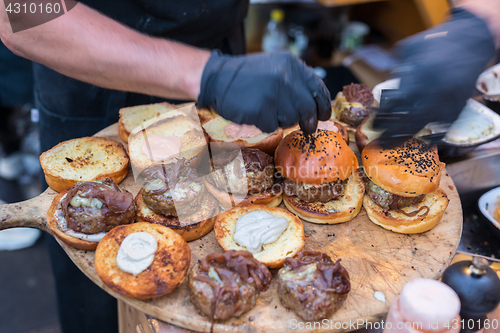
(27, 214)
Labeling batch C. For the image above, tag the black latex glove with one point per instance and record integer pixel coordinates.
(438, 70)
(267, 90)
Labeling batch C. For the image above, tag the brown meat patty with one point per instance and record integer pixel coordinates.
(313, 285)
(98, 206)
(388, 200)
(257, 168)
(314, 193)
(227, 284)
(168, 187)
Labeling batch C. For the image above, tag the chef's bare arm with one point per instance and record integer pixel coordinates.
(488, 10)
(93, 48)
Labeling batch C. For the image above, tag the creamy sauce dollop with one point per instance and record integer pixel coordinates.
(160, 147)
(469, 127)
(258, 228)
(235, 131)
(137, 252)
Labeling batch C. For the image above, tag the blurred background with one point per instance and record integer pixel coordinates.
(345, 41)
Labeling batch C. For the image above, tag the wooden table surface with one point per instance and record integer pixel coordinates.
(376, 259)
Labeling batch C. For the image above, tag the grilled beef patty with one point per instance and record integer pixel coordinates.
(105, 207)
(388, 200)
(227, 284)
(168, 183)
(255, 174)
(313, 285)
(314, 193)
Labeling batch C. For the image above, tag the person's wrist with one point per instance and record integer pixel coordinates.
(192, 80)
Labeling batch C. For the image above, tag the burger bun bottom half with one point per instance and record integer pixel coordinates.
(273, 255)
(332, 212)
(192, 227)
(437, 202)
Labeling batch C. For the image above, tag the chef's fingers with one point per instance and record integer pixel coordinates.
(309, 124)
(319, 92)
(307, 107)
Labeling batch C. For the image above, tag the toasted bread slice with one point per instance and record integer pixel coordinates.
(266, 142)
(84, 159)
(206, 115)
(173, 123)
(167, 271)
(133, 117)
(336, 211)
(437, 202)
(190, 228)
(271, 197)
(272, 255)
(340, 129)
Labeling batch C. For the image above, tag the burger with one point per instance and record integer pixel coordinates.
(321, 182)
(82, 215)
(402, 186)
(174, 195)
(352, 105)
(243, 177)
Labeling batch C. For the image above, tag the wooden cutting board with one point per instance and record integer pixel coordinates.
(377, 260)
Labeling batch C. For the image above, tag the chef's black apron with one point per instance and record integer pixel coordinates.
(70, 109)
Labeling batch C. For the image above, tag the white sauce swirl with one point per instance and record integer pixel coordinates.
(137, 252)
(258, 228)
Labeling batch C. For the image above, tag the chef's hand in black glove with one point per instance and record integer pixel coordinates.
(267, 90)
(438, 71)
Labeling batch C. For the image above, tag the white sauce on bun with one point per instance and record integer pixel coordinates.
(137, 252)
(258, 228)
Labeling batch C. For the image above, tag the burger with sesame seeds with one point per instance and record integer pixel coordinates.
(402, 186)
(321, 180)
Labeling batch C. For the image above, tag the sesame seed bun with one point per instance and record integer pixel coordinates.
(340, 128)
(408, 170)
(319, 159)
